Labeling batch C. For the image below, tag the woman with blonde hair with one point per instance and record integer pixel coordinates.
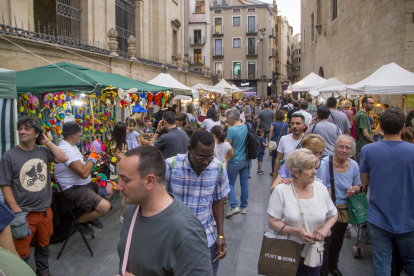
(304, 209)
(316, 144)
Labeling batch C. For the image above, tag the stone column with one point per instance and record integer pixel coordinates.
(112, 43)
(185, 63)
(139, 26)
(179, 62)
(132, 49)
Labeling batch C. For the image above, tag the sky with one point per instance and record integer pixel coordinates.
(291, 9)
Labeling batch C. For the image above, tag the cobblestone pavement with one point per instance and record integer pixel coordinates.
(243, 236)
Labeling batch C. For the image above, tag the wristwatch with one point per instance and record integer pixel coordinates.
(221, 237)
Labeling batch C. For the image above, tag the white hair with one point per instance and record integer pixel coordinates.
(299, 160)
(233, 113)
(345, 136)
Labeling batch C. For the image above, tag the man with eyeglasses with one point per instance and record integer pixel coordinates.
(363, 126)
(200, 181)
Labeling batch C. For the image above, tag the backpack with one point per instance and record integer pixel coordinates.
(252, 142)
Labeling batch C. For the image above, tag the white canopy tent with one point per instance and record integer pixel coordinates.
(169, 81)
(390, 79)
(308, 83)
(328, 87)
(227, 86)
(208, 88)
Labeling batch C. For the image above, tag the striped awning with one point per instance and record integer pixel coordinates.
(8, 122)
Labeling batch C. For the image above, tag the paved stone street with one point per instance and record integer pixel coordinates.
(243, 236)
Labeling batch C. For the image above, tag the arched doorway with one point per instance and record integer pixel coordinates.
(321, 74)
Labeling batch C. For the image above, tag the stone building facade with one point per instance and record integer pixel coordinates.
(148, 36)
(295, 68)
(349, 39)
(236, 53)
(284, 46)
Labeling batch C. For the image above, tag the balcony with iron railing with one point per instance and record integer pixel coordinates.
(197, 60)
(251, 29)
(197, 40)
(218, 30)
(218, 51)
(251, 50)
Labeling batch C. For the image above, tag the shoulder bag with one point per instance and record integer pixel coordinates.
(314, 256)
(273, 144)
(128, 242)
(342, 209)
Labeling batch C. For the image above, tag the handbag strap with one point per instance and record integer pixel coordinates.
(300, 143)
(301, 211)
(128, 242)
(280, 134)
(332, 179)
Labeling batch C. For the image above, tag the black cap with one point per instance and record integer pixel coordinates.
(70, 128)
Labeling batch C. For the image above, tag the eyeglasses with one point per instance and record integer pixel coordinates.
(342, 147)
(201, 159)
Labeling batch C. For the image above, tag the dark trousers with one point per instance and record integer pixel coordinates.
(213, 250)
(304, 270)
(333, 246)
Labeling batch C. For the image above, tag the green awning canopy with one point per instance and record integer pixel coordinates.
(77, 79)
(7, 84)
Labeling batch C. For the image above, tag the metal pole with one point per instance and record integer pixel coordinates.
(262, 65)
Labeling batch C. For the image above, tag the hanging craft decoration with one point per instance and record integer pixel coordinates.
(157, 99)
(108, 96)
(143, 101)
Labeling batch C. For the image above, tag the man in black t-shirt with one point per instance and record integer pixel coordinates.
(25, 183)
(174, 142)
(166, 238)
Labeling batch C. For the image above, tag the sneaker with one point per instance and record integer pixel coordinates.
(121, 219)
(261, 173)
(243, 211)
(86, 229)
(233, 211)
(96, 223)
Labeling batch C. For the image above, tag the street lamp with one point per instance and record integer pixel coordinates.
(262, 40)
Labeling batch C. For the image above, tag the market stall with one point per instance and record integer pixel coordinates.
(300, 89)
(390, 79)
(63, 92)
(328, 88)
(8, 116)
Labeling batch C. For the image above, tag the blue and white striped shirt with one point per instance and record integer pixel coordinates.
(198, 192)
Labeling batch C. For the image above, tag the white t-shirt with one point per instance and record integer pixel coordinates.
(308, 116)
(283, 205)
(287, 144)
(220, 152)
(64, 175)
(208, 124)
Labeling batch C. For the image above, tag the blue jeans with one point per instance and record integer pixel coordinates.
(381, 243)
(233, 170)
(213, 250)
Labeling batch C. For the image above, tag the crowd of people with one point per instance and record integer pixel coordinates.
(175, 182)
